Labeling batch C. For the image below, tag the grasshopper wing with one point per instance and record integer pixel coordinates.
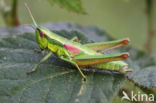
(86, 60)
(107, 45)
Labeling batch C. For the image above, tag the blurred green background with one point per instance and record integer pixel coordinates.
(120, 18)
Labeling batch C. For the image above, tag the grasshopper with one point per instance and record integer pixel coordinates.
(79, 55)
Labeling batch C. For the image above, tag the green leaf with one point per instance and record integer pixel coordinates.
(55, 81)
(71, 5)
(143, 68)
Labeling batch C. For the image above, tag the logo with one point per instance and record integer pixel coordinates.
(137, 97)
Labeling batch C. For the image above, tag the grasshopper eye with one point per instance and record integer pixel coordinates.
(42, 34)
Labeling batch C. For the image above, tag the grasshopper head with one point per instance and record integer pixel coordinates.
(40, 35)
(41, 39)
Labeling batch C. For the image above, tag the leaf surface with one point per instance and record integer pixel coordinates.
(55, 80)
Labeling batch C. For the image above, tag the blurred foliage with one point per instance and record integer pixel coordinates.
(71, 5)
(8, 9)
(150, 25)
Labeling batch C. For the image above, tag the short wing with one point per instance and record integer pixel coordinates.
(108, 45)
(86, 60)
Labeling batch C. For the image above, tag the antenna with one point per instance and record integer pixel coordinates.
(34, 22)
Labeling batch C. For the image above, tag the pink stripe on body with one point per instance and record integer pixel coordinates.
(72, 49)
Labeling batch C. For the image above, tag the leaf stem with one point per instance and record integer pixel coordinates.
(150, 19)
(15, 20)
(10, 16)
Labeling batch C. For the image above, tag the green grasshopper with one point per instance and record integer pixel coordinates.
(79, 55)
